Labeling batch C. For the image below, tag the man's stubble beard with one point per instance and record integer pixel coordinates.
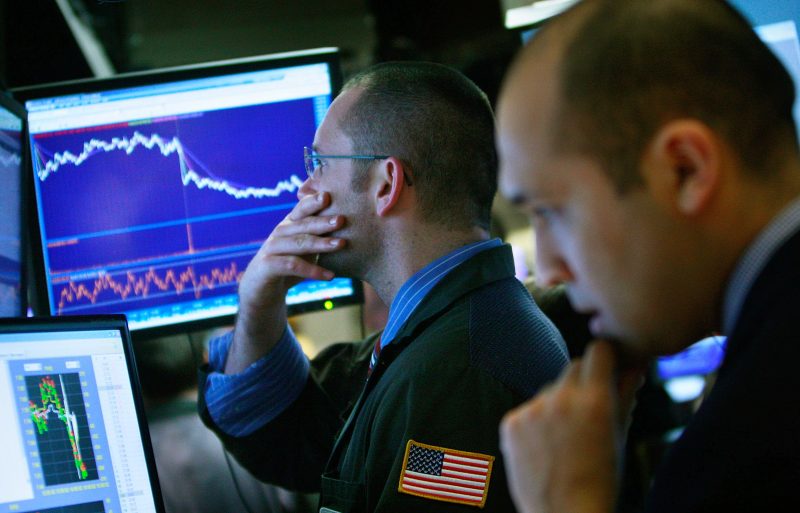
(343, 263)
(359, 254)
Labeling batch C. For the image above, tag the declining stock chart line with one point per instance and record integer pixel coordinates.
(166, 148)
(136, 214)
(64, 455)
(58, 413)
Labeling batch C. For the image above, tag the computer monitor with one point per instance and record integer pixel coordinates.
(72, 423)
(684, 373)
(154, 190)
(526, 17)
(525, 14)
(777, 22)
(12, 262)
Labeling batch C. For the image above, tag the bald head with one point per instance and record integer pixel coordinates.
(649, 141)
(624, 68)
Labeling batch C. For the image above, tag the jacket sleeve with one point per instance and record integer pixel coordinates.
(291, 450)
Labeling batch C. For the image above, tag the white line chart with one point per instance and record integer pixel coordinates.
(167, 148)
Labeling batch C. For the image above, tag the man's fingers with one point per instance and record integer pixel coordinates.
(599, 363)
(628, 384)
(525, 414)
(303, 244)
(572, 374)
(309, 205)
(601, 368)
(316, 225)
(300, 268)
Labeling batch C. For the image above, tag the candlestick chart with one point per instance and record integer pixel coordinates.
(151, 213)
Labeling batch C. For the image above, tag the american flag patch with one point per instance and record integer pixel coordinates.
(445, 474)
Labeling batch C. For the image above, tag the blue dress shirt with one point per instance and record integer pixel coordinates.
(242, 403)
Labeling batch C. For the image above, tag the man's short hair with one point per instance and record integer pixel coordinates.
(440, 125)
(630, 66)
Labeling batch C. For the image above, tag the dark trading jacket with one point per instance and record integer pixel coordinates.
(741, 450)
(476, 347)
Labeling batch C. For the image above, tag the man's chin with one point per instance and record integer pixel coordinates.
(337, 264)
(632, 350)
(630, 355)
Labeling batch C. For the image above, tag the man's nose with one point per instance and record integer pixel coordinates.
(551, 268)
(308, 188)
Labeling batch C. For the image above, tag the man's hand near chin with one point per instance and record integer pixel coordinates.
(288, 256)
(563, 448)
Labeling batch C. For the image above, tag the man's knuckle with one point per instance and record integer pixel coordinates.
(292, 264)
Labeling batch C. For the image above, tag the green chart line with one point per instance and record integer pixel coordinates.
(51, 402)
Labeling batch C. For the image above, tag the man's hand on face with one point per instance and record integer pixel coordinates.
(562, 448)
(287, 257)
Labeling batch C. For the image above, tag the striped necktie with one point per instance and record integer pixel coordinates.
(376, 351)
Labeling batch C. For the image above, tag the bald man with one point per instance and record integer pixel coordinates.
(653, 145)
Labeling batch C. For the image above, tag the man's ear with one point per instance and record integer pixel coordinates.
(391, 184)
(685, 158)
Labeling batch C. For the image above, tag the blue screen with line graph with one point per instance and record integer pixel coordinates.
(153, 198)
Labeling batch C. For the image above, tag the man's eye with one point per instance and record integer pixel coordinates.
(544, 216)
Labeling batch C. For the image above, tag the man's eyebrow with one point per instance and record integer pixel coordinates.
(517, 199)
(521, 197)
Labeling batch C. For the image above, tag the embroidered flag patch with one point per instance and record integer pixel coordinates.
(445, 474)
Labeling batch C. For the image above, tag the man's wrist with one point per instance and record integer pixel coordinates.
(236, 401)
(254, 337)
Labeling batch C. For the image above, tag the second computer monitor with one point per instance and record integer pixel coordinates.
(155, 190)
(12, 231)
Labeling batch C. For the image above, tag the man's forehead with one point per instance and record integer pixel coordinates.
(529, 99)
(344, 102)
(329, 132)
(523, 183)
(521, 137)
(533, 167)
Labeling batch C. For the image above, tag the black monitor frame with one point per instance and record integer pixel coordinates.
(112, 322)
(24, 204)
(328, 56)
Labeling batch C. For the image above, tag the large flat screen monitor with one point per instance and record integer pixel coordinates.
(523, 14)
(684, 374)
(777, 23)
(155, 190)
(12, 231)
(71, 419)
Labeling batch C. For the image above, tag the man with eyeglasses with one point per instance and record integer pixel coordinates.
(402, 174)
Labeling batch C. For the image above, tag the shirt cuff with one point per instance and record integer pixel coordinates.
(242, 403)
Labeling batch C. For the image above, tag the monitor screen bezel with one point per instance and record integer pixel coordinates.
(115, 322)
(24, 200)
(330, 56)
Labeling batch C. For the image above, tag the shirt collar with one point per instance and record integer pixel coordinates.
(780, 229)
(420, 284)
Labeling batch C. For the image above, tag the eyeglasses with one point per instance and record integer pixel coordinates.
(312, 160)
